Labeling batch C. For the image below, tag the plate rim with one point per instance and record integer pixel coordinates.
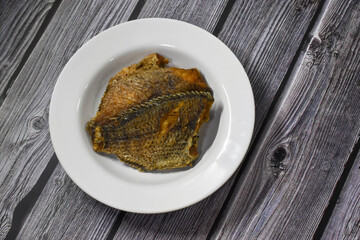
(209, 192)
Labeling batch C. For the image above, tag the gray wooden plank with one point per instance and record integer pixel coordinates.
(302, 151)
(344, 222)
(307, 13)
(265, 36)
(249, 32)
(20, 22)
(69, 213)
(204, 14)
(48, 221)
(25, 146)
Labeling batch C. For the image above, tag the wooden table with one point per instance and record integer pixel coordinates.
(301, 176)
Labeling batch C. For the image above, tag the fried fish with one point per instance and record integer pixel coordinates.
(150, 115)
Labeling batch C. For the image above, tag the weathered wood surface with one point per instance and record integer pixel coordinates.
(345, 219)
(20, 22)
(301, 154)
(265, 36)
(59, 198)
(202, 13)
(25, 146)
(220, 196)
(69, 213)
(259, 46)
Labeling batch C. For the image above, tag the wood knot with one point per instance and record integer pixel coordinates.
(5, 66)
(277, 159)
(58, 182)
(279, 154)
(38, 123)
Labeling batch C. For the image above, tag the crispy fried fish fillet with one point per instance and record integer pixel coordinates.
(150, 115)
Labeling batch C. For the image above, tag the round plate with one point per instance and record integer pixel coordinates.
(223, 140)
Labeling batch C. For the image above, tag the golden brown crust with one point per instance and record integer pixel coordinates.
(150, 115)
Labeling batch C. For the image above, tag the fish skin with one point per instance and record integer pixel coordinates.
(150, 115)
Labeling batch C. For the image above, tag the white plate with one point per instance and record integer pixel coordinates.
(223, 140)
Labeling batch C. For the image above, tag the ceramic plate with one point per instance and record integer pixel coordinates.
(223, 140)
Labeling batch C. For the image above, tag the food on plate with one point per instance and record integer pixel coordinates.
(150, 115)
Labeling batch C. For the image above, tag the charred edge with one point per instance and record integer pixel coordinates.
(337, 191)
(30, 49)
(223, 17)
(135, 14)
(256, 138)
(25, 206)
(116, 225)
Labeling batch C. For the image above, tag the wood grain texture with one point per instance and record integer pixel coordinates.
(20, 22)
(265, 36)
(196, 221)
(308, 139)
(69, 213)
(193, 222)
(204, 14)
(345, 219)
(25, 146)
(59, 202)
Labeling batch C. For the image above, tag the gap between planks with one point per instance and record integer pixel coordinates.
(129, 13)
(134, 217)
(325, 215)
(25, 206)
(304, 42)
(134, 15)
(337, 191)
(217, 29)
(30, 49)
